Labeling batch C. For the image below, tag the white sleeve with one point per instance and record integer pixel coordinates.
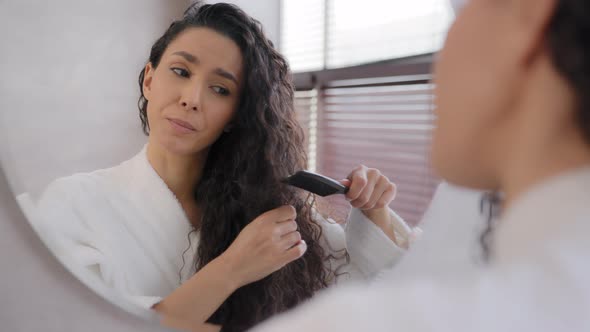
(369, 249)
(55, 216)
(62, 226)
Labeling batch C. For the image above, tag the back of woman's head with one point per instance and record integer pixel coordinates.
(568, 38)
(568, 41)
(244, 168)
(499, 59)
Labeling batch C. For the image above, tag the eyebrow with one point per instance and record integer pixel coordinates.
(188, 57)
(226, 74)
(194, 60)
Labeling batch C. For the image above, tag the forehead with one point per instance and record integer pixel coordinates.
(210, 47)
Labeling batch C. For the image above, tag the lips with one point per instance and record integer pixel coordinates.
(182, 124)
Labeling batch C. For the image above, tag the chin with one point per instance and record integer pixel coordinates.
(464, 175)
(177, 145)
(455, 169)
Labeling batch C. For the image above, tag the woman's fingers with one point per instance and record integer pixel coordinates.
(289, 240)
(285, 227)
(358, 181)
(378, 191)
(295, 252)
(369, 189)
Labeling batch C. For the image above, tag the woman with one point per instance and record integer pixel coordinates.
(513, 83)
(217, 105)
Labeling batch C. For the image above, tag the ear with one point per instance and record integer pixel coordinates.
(148, 74)
(531, 19)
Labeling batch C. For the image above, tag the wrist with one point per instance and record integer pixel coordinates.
(380, 217)
(227, 268)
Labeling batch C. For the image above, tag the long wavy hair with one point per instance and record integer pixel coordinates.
(243, 172)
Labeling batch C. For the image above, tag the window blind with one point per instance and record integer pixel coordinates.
(383, 123)
(306, 113)
(302, 34)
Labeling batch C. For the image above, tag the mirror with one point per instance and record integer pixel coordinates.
(71, 73)
(108, 200)
(42, 295)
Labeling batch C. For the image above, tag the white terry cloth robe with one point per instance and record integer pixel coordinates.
(124, 226)
(538, 279)
(453, 225)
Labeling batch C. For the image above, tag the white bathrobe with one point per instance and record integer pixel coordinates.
(539, 279)
(451, 229)
(125, 228)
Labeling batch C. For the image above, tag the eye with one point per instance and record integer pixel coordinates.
(221, 90)
(181, 72)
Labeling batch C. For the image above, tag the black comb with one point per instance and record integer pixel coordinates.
(316, 183)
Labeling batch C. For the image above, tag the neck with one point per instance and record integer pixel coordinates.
(548, 140)
(560, 156)
(181, 173)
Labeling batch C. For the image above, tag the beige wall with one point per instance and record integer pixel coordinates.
(68, 88)
(68, 91)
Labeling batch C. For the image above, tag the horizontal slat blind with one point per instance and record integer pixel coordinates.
(306, 112)
(384, 126)
(302, 33)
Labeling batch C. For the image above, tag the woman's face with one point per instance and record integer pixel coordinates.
(478, 77)
(194, 92)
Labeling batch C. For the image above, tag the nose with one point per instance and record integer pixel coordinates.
(191, 98)
(189, 106)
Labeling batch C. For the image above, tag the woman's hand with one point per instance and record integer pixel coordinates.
(369, 189)
(267, 244)
(372, 192)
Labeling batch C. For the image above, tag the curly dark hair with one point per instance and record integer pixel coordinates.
(568, 41)
(243, 172)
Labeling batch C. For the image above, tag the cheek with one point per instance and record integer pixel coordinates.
(215, 116)
(152, 118)
(470, 115)
(219, 116)
(220, 109)
(154, 115)
(460, 143)
(466, 99)
(164, 91)
(163, 94)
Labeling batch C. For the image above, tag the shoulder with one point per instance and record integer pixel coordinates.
(71, 195)
(73, 185)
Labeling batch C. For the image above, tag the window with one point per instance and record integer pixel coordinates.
(374, 30)
(365, 96)
(385, 123)
(325, 34)
(306, 103)
(302, 33)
